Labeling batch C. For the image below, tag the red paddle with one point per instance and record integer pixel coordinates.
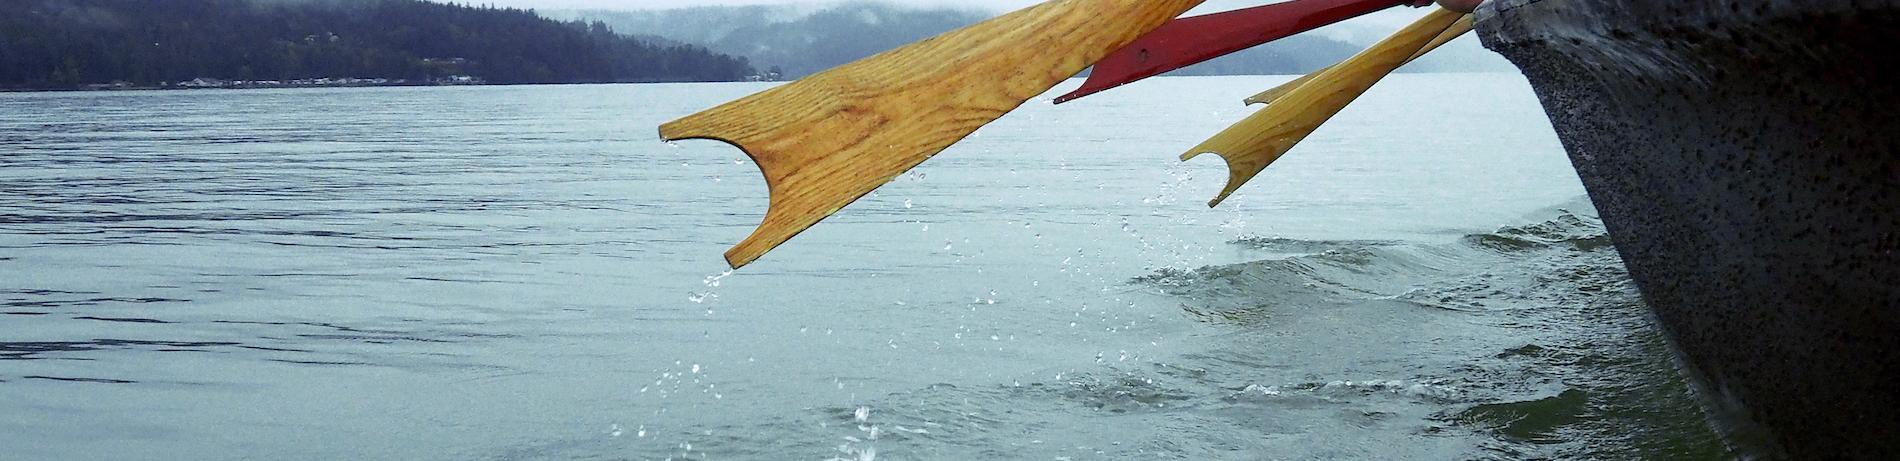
(1188, 41)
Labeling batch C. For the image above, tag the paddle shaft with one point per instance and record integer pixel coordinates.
(1258, 140)
(1462, 27)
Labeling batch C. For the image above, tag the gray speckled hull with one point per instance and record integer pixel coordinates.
(1743, 154)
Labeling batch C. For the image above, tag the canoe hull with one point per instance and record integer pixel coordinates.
(1743, 155)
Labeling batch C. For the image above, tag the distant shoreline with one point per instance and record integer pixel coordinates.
(315, 87)
(427, 84)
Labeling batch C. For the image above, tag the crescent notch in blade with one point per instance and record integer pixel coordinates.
(828, 139)
(1188, 41)
(1260, 139)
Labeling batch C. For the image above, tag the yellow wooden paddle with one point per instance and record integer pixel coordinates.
(1460, 28)
(828, 139)
(1256, 141)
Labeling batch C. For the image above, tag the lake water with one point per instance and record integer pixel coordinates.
(514, 273)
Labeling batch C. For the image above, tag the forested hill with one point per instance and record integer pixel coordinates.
(70, 43)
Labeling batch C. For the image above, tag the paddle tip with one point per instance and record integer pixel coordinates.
(1089, 87)
(736, 260)
(1224, 194)
(670, 131)
(1074, 95)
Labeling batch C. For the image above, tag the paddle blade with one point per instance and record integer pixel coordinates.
(828, 139)
(1255, 142)
(1188, 41)
(1458, 29)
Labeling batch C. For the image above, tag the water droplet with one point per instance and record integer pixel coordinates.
(714, 280)
(615, 431)
(862, 414)
(695, 368)
(906, 203)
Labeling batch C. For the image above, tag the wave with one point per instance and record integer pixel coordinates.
(1531, 336)
(1316, 272)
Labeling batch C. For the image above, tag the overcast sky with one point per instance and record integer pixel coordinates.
(1396, 16)
(1393, 18)
(998, 5)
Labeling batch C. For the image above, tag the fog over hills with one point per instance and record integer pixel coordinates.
(803, 39)
(799, 40)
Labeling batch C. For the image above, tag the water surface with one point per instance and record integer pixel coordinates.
(527, 273)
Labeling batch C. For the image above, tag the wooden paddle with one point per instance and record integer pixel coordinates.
(1460, 28)
(1255, 142)
(828, 139)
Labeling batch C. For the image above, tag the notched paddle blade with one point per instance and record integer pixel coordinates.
(828, 139)
(1260, 139)
(1458, 29)
(1188, 41)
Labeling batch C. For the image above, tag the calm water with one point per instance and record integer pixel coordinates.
(526, 273)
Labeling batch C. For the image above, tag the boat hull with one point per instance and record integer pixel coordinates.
(1743, 156)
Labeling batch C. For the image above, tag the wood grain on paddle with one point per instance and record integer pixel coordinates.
(1460, 28)
(828, 139)
(1255, 142)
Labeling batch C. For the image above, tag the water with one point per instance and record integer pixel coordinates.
(527, 273)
